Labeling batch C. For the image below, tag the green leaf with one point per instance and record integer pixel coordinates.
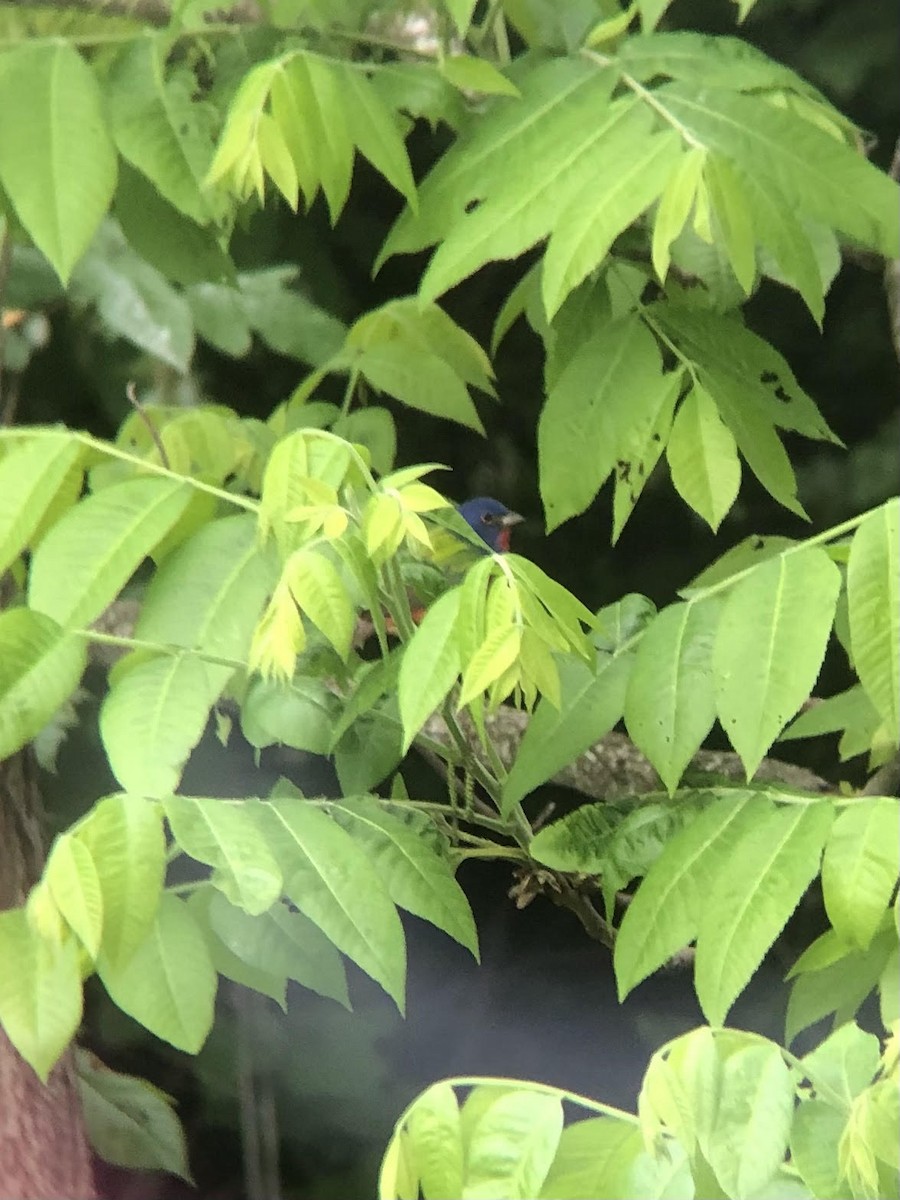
(374, 129)
(749, 1138)
(846, 710)
(471, 74)
(611, 381)
(461, 12)
(493, 658)
(641, 447)
(31, 477)
(301, 714)
(606, 1157)
(57, 160)
(281, 942)
(219, 317)
(224, 837)
(839, 986)
(750, 552)
(752, 898)
(267, 982)
(771, 641)
(183, 252)
(845, 1062)
(287, 320)
(209, 592)
(733, 218)
(485, 211)
(420, 380)
(815, 173)
(860, 868)
(74, 884)
(133, 300)
(435, 1142)
(670, 706)
(592, 702)
(168, 984)
(666, 910)
(703, 460)
(321, 595)
(40, 999)
(129, 1121)
(160, 128)
(154, 715)
(873, 594)
(675, 202)
(375, 429)
(430, 665)
(416, 877)
(636, 165)
(330, 879)
(40, 666)
(124, 835)
(99, 544)
(511, 1146)
(578, 842)
(815, 1136)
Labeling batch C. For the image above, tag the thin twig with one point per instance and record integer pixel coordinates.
(131, 393)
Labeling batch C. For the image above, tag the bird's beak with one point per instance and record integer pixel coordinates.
(510, 519)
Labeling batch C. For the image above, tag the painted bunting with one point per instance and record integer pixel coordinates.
(491, 520)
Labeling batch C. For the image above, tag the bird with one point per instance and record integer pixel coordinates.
(491, 520)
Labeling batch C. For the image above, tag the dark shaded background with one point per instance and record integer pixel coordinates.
(543, 1004)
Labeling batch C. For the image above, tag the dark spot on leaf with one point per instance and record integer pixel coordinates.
(759, 544)
(768, 377)
(471, 205)
(641, 470)
(656, 438)
(782, 395)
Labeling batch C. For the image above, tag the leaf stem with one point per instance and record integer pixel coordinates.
(645, 94)
(107, 448)
(111, 639)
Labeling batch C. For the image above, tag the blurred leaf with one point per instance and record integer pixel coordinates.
(40, 666)
(129, 1121)
(287, 321)
(300, 713)
(133, 300)
(860, 868)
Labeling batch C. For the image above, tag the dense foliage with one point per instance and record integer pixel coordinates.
(646, 183)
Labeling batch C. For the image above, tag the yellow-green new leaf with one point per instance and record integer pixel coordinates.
(74, 884)
(511, 1146)
(873, 594)
(57, 159)
(675, 206)
(124, 835)
(734, 217)
(435, 1142)
(320, 593)
(703, 458)
(497, 653)
(40, 992)
(769, 648)
(99, 544)
(430, 665)
(168, 984)
(40, 666)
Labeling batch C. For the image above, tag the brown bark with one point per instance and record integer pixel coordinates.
(44, 1153)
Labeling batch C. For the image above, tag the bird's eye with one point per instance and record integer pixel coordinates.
(487, 518)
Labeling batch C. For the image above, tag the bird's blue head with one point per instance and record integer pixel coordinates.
(491, 520)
